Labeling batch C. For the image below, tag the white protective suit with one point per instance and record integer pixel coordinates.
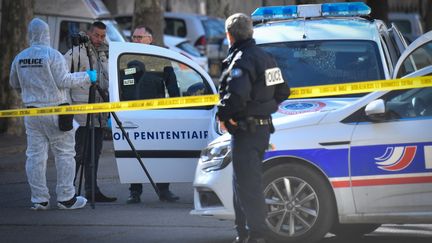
(40, 74)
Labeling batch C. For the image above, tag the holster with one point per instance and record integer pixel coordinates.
(65, 122)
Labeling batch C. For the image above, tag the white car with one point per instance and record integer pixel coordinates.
(340, 165)
(206, 33)
(410, 24)
(310, 51)
(184, 47)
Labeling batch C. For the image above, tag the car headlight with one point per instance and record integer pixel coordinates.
(216, 156)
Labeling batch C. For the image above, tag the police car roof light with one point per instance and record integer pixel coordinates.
(310, 10)
(275, 13)
(345, 9)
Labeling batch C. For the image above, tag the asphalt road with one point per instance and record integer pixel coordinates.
(149, 221)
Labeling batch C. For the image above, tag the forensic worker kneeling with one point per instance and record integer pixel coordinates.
(251, 88)
(39, 73)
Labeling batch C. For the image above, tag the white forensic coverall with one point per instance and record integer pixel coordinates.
(40, 74)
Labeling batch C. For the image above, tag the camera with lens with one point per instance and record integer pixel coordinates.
(79, 38)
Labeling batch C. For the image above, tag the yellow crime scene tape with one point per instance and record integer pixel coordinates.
(192, 101)
(361, 87)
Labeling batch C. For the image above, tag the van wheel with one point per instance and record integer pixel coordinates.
(300, 205)
(353, 230)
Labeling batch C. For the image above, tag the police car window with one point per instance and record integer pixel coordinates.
(420, 58)
(150, 77)
(411, 103)
(310, 63)
(66, 29)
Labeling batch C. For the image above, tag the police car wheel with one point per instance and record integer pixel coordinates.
(300, 204)
(353, 230)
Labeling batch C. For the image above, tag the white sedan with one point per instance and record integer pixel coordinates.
(340, 165)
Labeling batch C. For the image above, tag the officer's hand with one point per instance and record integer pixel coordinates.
(93, 75)
(222, 126)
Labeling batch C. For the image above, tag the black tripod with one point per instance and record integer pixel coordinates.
(90, 131)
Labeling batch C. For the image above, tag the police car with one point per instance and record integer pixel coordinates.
(313, 47)
(343, 165)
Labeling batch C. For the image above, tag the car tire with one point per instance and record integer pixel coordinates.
(310, 212)
(353, 230)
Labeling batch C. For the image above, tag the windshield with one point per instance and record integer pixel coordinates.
(310, 63)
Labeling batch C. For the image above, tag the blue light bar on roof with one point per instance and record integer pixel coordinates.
(274, 13)
(310, 11)
(345, 9)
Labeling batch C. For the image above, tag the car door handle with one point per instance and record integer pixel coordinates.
(334, 143)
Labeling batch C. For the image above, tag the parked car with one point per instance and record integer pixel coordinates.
(206, 33)
(341, 165)
(410, 24)
(184, 47)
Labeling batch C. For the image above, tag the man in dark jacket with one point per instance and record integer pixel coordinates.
(151, 87)
(251, 88)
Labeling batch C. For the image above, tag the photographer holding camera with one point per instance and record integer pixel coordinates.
(39, 73)
(78, 59)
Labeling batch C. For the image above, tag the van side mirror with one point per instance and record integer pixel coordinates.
(375, 110)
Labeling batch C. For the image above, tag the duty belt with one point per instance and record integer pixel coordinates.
(262, 122)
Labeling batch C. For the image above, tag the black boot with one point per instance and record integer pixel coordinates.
(133, 198)
(168, 196)
(99, 197)
(239, 239)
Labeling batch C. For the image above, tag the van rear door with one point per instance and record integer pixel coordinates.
(169, 141)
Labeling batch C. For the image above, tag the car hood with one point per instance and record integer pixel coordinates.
(306, 112)
(302, 112)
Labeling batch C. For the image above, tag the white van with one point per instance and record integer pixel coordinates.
(68, 17)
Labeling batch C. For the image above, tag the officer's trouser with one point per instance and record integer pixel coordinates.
(43, 131)
(247, 152)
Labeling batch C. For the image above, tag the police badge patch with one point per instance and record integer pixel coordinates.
(273, 76)
(236, 73)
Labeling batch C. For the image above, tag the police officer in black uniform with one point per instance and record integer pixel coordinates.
(251, 88)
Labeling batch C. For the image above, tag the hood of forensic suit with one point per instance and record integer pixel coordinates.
(38, 33)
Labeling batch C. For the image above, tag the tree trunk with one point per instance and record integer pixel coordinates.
(218, 8)
(150, 13)
(379, 9)
(428, 16)
(16, 15)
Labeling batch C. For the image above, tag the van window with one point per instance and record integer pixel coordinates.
(175, 27)
(150, 77)
(66, 29)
